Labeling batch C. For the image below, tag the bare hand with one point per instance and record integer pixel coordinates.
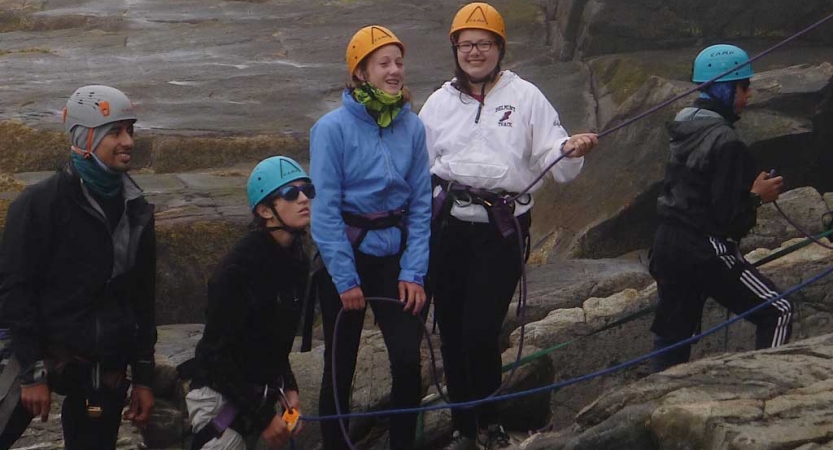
(580, 144)
(768, 188)
(36, 399)
(141, 404)
(413, 295)
(276, 434)
(353, 299)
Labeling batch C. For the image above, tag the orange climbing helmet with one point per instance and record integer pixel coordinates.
(367, 40)
(482, 16)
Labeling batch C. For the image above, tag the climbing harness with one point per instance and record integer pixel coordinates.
(359, 224)
(497, 204)
(270, 395)
(440, 203)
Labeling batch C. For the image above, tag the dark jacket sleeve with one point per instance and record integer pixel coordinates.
(228, 303)
(23, 252)
(734, 169)
(144, 307)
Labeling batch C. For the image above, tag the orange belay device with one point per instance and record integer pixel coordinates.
(291, 416)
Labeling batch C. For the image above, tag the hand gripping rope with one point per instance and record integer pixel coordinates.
(494, 397)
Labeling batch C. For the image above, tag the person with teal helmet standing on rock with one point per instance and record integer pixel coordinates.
(77, 282)
(242, 369)
(371, 224)
(710, 195)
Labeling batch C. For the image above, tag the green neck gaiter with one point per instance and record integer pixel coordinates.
(382, 106)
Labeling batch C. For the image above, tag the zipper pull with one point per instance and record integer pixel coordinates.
(481, 101)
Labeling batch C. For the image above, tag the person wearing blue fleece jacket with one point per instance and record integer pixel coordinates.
(371, 223)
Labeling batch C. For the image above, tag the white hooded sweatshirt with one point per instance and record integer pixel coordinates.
(517, 134)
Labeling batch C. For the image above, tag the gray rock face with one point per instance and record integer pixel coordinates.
(627, 204)
(804, 206)
(583, 28)
(582, 341)
(771, 399)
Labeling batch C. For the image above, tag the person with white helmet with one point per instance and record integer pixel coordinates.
(372, 225)
(242, 368)
(490, 134)
(711, 192)
(77, 271)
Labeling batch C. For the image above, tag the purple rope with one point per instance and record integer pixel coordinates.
(800, 228)
(507, 199)
(426, 333)
(678, 97)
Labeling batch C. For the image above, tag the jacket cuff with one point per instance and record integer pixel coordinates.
(33, 374)
(142, 371)
(411, 277)
(344, 286)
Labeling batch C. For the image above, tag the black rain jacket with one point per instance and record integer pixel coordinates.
(57, 283)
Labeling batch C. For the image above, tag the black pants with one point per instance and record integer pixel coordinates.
(475, 271)
(81, 432)
(402, 333)
(689, 268)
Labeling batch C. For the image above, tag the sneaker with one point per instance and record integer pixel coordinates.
(495, 437)
(460, 442)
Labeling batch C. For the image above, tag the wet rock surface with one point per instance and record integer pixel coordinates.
(771, 399)
(222, 84)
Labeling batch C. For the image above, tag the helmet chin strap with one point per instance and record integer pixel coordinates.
(293, 230)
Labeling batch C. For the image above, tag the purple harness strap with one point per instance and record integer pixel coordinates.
(225, 417)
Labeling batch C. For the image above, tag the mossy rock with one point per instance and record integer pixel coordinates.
(25, 149)
(187, 254)
(180, 154)
(622, 76)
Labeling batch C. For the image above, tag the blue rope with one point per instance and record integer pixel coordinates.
(590, 376)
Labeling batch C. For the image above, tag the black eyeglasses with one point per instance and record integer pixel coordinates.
(482, 46)
(290, 193)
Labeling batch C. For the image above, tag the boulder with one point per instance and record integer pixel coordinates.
(804, 206)
(624, 212)
(769, 399)
(568, 283)
(581, 339)
(582, 28)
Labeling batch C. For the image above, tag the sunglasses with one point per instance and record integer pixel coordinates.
(290, 193)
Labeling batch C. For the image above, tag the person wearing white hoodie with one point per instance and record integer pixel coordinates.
(489, 134)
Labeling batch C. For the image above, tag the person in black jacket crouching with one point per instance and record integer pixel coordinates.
(254, 305)
(77, 271)
(711, 192)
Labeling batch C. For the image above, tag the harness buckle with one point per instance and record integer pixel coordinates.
(463, 199)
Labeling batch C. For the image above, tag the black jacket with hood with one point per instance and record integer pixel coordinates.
(709, 175)
(254, 306)
(62, 286)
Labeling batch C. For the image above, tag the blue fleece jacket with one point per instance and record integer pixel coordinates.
(361, 168)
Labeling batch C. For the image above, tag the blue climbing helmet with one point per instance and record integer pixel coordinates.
(717, 59)
(271, 174)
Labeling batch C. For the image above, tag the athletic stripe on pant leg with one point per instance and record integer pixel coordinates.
(720, 251)
(761, 290)
(783, 306)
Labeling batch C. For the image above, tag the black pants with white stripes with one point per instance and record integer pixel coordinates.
(690, 267)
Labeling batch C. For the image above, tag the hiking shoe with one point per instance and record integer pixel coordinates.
(460, 442)
(495, 437)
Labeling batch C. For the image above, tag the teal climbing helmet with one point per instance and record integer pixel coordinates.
(271, 174)
(718, 59)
